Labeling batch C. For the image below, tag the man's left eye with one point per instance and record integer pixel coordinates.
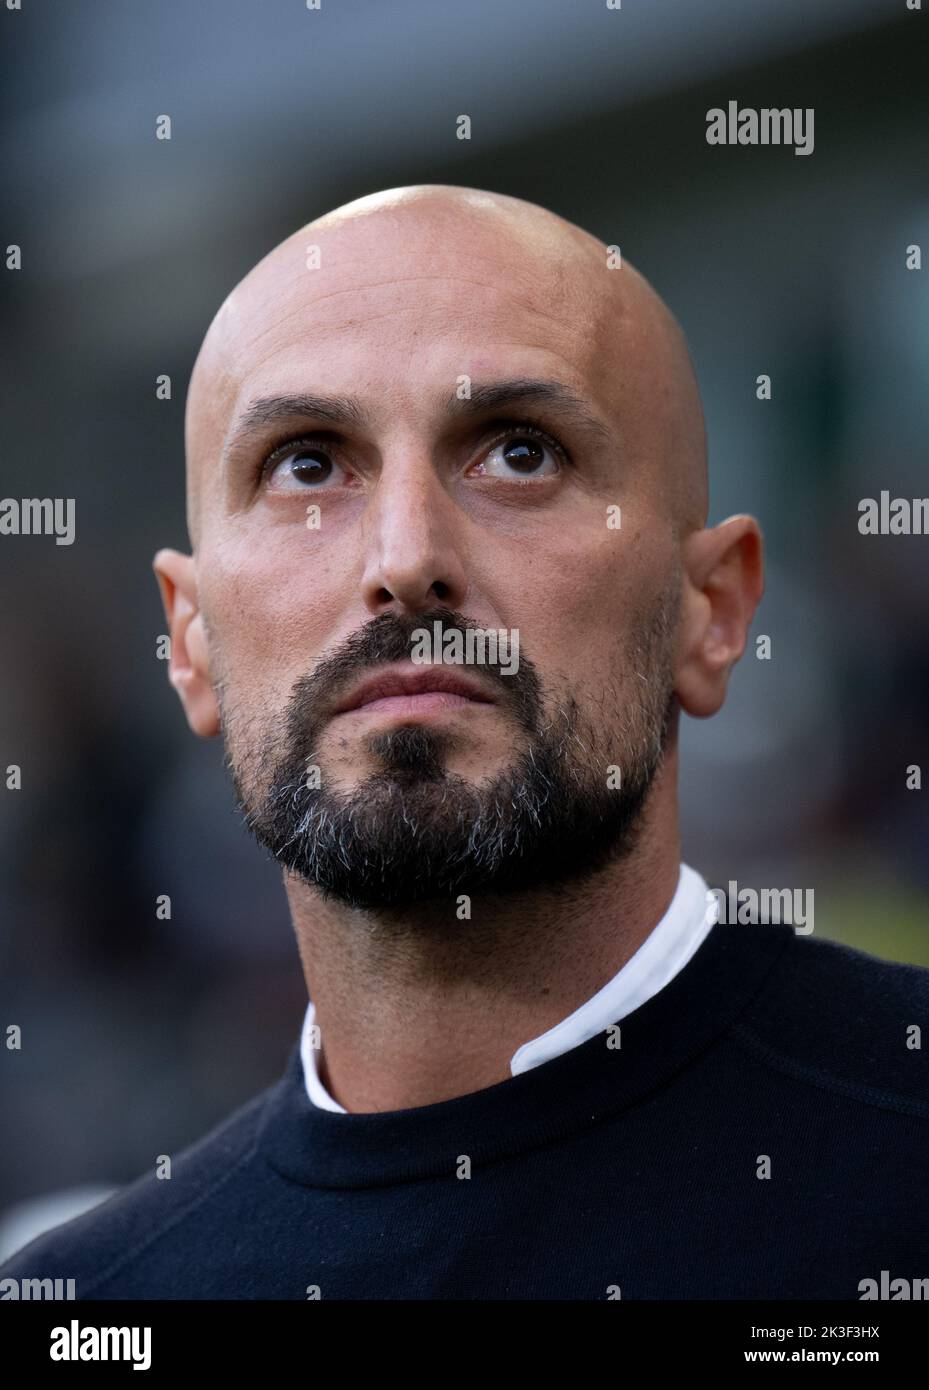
(521, 456)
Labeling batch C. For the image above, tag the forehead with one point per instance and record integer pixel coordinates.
(386, 306)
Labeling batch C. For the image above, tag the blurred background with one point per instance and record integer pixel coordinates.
(140, 1034)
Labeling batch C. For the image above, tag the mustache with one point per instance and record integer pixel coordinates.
(388, 638)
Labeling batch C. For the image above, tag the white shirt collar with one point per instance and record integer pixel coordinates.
(665, 951)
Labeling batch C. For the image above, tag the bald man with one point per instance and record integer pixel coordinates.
(533, 1064)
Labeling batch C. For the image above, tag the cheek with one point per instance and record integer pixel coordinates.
(577, 601)
(271, 608)
(583, 605)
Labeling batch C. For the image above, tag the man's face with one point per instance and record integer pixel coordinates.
(498, 519)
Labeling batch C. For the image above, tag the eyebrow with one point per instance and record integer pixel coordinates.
(348, 412)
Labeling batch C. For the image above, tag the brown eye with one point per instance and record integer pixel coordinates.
(311, 467)
(521, 455)
(525, 455)
(304, 468)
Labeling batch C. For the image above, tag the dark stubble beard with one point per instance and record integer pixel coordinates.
(413, 832)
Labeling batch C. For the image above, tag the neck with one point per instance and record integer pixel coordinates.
(422, 1006)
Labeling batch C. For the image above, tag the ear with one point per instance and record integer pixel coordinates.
(723, 583)
(189, 667)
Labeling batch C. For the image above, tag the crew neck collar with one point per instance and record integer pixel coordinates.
(666, 949)
(552, 1100)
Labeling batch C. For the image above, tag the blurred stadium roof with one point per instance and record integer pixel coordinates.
(315, 94)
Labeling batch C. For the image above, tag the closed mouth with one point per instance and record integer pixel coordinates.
(416, 687)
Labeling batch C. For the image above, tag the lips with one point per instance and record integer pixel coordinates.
(411, 681)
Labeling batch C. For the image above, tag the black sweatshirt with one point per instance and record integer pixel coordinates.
(760, 1131)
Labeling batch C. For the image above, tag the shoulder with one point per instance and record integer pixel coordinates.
(846, 1020)
(92, 1246)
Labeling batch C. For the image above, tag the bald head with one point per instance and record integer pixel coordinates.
(440, 405)
(374, 282)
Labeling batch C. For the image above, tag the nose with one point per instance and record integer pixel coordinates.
(412, 537)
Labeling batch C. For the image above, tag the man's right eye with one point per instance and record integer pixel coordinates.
(302, 468)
